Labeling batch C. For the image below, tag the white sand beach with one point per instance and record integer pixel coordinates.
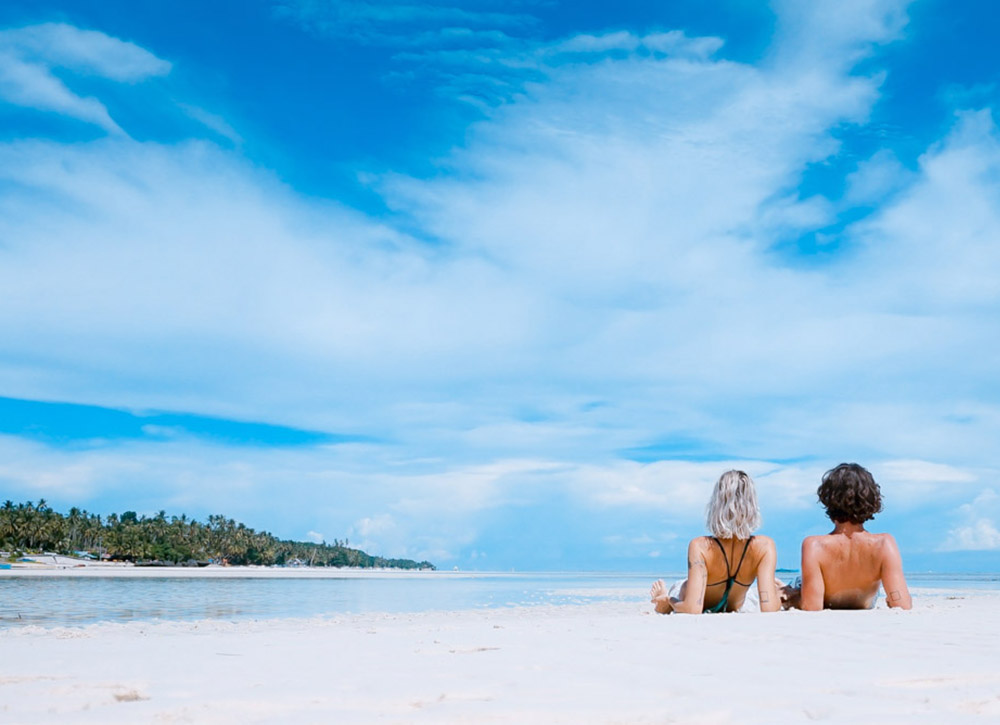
(601, 663)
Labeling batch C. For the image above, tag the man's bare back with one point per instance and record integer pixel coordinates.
(843, 570)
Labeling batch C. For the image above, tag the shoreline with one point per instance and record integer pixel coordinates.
(124, 569)
(210, 572)
(929, 598)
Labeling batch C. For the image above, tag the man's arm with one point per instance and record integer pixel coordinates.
(893, 582)
(694, 595)
(812, 577)
(766, 588)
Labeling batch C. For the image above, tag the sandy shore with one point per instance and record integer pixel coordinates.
(603, 663)
(105, 570)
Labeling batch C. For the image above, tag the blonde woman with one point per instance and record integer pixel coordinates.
(722, 567)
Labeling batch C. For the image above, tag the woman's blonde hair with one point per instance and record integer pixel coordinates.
(733, 511)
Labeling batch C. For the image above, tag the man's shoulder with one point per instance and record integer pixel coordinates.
(886, 543)
(811, 542)
(817, 548)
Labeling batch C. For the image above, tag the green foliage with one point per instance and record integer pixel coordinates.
(177, 540)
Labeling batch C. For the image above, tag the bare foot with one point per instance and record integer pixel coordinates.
(659, 596)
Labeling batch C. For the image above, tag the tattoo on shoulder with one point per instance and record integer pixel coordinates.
(692, 563)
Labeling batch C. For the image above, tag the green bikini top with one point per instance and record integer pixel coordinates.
(730, 577)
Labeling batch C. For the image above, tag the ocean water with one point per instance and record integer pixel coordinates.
(53, 601)
(71, 601)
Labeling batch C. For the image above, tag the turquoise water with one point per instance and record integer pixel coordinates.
(936, 580)
(73, 601)
(66, 600)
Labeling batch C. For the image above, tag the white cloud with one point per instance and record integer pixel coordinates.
(979, 531)
(373, 525)
(411, 510)
(417, 509)
(876, 178)
(32, 85)
(837, 33)
(923, 472)
(587, 43)
(213, 122)
(676, 42)
(618, 247)
(28, 55)
(605, 273)
(479, 57)
(981, 535)
(315, 537)
(391, 23)
(941, 232)
(84, 51)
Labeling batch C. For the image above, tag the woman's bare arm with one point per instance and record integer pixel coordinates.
(766, 587)
(694, 596)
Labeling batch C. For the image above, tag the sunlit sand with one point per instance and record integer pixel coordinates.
(605, 662)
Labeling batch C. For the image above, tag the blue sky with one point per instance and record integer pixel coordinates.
(503, 284)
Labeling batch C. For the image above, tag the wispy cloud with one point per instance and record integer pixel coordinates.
(600, 268)
(213, 122)
(29, 55)
(393, 23)
(474, 54)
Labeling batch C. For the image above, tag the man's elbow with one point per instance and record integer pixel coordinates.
(811, 604)
(898, 597)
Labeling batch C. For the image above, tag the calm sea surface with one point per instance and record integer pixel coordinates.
(68, 601)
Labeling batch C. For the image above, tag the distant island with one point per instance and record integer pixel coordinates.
(163, 541)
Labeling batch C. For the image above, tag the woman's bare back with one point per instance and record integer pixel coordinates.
(708, 576)
(730, 557)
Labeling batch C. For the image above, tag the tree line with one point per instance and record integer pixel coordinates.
(29, 527)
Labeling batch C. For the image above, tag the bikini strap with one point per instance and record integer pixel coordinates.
(746, 546)
(726, 557)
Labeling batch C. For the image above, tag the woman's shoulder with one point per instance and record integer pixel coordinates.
(764, 543)
(756, 543)
(700, 543)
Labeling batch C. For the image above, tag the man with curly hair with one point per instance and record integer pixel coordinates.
(843, 569)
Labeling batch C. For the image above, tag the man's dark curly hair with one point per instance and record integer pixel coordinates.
(850, 494)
